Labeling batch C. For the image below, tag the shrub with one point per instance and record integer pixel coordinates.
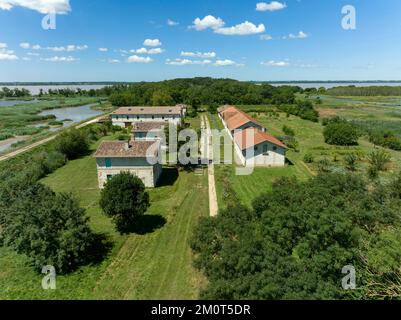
(378, 160)
(288, 131)
(308, 158)
(341, 134)
(351, 160)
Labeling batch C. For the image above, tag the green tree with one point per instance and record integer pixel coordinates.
(72, 143)
(124, 199)
(51, 229)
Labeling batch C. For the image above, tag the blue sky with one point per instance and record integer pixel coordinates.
(283, 40)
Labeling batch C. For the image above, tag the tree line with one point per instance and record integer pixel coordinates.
(293, 242)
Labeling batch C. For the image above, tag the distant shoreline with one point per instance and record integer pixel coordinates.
(253, 81)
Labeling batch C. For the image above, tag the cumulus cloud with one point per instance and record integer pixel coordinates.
(60, 59)
(272, 6)
(24, 45)
(266, 37)
(148, 51)
(218, 26)
(103, 49)
(242, 29)
(138, 59)
(42, 6)
(273, 63)
(7, 55)
(3, 45)
(299, 35)
(152, 43)
(207, 22)
(185, 62)
(198, 54)
(69, 48)
(172, 23)
(225, 63)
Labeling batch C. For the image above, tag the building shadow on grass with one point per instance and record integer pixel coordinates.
(168, 177)
(148, 224)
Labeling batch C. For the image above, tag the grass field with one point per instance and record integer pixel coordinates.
(155, 263)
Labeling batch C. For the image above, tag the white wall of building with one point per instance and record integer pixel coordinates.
(139, 167)
(121, 120)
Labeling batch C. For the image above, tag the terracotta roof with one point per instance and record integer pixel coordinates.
(239, 120)
(176, 110)
(258, 138)
(148, 126)
(120, 149)
(223, 108)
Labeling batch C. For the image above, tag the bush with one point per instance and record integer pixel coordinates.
(308, 158)
(341, 134)
(124, 199)
(351, 160)
(378, 160)
(72, 143)
(288, 131)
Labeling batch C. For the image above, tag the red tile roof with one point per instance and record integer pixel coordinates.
(244, 139)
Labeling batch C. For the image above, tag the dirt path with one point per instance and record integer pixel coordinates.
(39, 143)
(213, 205)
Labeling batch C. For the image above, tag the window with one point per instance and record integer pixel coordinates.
(153, 117)
(163, 117)
(137, 117)
(274, 148)
(256, 148)
(265, 148)
(108, 162)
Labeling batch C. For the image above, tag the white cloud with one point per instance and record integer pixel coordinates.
(272, 6)
(36, 47)
(103, 49)
(148, 51)
(152, 43)
(7, 55)
(207, 22)
(3, 45)
(33, 54)
(42, 6)
(299, 35)
(198, 54)
(24, 45)
(137, 59)
(185, 62)
(225, 63)
(114, 61)
(273, 63)
(69, 48)
(242, 29)
(60, 59)
(172, 23)
(266, 37)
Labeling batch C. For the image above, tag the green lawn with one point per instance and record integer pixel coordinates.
(154, 265)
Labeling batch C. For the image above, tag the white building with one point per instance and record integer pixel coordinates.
(126, 116)
(140, 158)
(252, 144)
(257, 148)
